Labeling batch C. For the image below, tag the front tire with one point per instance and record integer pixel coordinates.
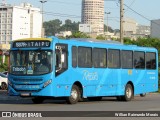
(128, 95)
(4, 86)
(74, 96)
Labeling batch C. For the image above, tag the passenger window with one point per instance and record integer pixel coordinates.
(139, 60)
(99, 58)
(127, 59)
(113, 58)
(151, 60)
(84, 57)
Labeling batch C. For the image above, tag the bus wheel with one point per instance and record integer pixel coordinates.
(37, 100)
(94, 98)
(128, 93)
(75, 95)
(143, 94)
(4, 86)
(81, 96)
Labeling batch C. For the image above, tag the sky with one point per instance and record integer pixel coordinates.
(142, 11)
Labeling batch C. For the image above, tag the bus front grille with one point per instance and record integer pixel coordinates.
(27, 80)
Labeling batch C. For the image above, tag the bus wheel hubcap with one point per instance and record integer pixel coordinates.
(128, 93)
(74, 94)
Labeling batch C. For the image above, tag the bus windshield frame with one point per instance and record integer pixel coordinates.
(31, 62)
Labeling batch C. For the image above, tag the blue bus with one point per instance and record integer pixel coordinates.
(74, 69)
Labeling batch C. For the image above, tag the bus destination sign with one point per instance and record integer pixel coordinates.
(31, 44)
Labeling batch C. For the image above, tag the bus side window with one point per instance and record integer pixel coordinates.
(61, 58)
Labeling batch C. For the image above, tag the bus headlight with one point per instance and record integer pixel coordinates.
(47, 83)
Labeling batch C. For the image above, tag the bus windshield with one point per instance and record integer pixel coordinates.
(37, 62)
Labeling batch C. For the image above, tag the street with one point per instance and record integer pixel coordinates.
(149, 103)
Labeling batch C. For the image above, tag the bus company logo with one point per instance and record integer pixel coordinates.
(90, 75)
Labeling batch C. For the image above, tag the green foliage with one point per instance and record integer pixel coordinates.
(80, 35)
(3, 67)
(100, 37)
(55, 26)
(109, 28)
(52, 27)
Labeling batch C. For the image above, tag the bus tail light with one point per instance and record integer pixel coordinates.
(47, 83)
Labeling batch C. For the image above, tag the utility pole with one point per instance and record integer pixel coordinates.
(42, 29)
(121, 20)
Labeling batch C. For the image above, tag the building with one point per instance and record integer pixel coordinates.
(143, 30)
(155, 28)
(93, 14)
(17, 22)
(85, 28)
(129, 27)
(64, 34)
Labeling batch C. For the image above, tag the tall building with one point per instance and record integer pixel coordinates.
(93, 14)
(17, 22)
(155, 28)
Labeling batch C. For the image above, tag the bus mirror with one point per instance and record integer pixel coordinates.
(62, 58)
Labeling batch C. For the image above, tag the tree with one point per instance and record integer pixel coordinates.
(100, 37)
(80, 35)
(52, 27)
(109, 29)
(69, 26)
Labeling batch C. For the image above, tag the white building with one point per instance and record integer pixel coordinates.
(63, 34)
(155, 28)
(85, 28)
(93, 14)
(129, 27)
(143, 30)
(17, 22)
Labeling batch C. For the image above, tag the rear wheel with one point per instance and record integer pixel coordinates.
(75, 95)
(128, 95)
(94, 98)
(37, 100)
(4, 86)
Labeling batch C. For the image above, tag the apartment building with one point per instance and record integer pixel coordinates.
(93, 14)
(18, 22)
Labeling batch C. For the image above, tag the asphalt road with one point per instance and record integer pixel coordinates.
(149, 103)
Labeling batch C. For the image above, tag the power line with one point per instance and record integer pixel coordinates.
(61, 15)
(130, 4)
(137, 12)
(141, 15)
(68, 3)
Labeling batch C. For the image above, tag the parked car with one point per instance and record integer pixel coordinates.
(5, 72)
(3, 81)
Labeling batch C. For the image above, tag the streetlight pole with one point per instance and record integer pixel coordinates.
(107, 23)
(42, 29)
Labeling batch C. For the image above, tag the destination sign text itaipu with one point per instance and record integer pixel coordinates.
(31, 44)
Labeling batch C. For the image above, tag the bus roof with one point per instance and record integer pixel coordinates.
(34, 39)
